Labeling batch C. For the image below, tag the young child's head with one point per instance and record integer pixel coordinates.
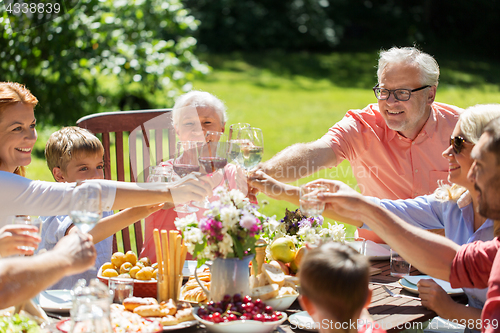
(334, 283)
(73, 153)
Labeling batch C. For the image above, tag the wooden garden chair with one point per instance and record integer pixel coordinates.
(151, 139)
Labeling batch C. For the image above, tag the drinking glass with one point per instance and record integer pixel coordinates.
(252, 147)
(86, 210)
(185, 162)
(29, 220)
(309, 203)
(121, 289)
(399, 266)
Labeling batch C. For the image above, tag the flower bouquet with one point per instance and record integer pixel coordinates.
(229, 229)
(287, 237)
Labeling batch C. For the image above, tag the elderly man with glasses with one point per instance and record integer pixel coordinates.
(394, 146)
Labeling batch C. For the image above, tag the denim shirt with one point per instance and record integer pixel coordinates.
(457, 219)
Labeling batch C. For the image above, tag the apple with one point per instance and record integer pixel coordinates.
(283, 249)
(295, 264)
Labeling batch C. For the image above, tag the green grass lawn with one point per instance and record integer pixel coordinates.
(297, 97)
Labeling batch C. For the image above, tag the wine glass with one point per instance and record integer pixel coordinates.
(235, 140)
(252, 147)
(159, 173)
(86, 210)
(212, 157)
(213, 153)
(185, 162)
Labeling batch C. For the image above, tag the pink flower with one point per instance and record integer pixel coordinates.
(248, 221)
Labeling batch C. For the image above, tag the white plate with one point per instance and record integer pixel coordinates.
(302, 320)
(410, 283)
(57, 300)
(180, 326)
(190, 266)
(281, 303)
(377, 251)
(241, 326)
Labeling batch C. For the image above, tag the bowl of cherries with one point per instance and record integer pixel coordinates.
(239, 314)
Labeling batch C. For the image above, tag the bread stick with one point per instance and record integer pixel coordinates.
(171, 264)
(164, 239)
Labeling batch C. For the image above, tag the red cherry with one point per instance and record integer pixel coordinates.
(247, 299)
(259, 317)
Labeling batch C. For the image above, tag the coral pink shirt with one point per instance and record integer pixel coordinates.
(477, 265)
(164, 219)
(386, 164)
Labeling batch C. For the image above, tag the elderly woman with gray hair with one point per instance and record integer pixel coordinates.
(193, 115)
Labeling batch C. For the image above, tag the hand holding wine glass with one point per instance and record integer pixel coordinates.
(86, 208)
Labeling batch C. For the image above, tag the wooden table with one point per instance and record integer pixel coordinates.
(393, 314)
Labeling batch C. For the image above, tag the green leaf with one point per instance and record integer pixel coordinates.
(237, 247)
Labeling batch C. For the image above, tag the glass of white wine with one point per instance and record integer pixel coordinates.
(252, 147)
(86, 208)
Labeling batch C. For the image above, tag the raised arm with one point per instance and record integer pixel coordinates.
(281, 191)
(299, 160)
(192, 187)
(428, 252)
(110, 225)
(23, 278)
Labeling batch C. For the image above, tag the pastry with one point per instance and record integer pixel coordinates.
(131, 303)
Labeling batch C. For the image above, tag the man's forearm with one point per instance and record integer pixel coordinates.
(23, 278)
(428, 252)
(299, 160)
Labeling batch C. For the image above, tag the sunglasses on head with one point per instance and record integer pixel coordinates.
(457, 143)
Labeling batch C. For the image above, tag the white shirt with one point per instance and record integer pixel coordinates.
(23, 196)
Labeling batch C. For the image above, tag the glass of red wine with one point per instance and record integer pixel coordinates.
(212, 157)
(185, 162)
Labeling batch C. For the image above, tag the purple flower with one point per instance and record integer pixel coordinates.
(305, 223)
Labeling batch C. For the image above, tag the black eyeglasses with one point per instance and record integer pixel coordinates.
(457, 143)
(399, 94)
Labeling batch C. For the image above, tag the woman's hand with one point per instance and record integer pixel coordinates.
(193, 187)
(12, 237)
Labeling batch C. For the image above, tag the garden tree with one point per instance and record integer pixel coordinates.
(102, 55)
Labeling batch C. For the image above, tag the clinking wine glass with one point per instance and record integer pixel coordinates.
(235, 141)
(86, 210)
(252, 147)
(212, 157)
(186, 162)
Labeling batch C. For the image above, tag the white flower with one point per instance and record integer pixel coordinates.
(237, 196)
(229, 216)
(183, 223)
(226, 246)
(271, 224)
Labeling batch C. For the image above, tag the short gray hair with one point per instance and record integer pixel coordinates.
(198, 98)
(474, 119)
(428, 66)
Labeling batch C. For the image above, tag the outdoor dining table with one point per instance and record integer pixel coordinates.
(394, 314)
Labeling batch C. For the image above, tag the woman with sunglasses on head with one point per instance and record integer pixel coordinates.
(452, 207)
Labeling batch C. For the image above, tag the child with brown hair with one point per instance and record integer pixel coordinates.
(334, 289)
(74, 154)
